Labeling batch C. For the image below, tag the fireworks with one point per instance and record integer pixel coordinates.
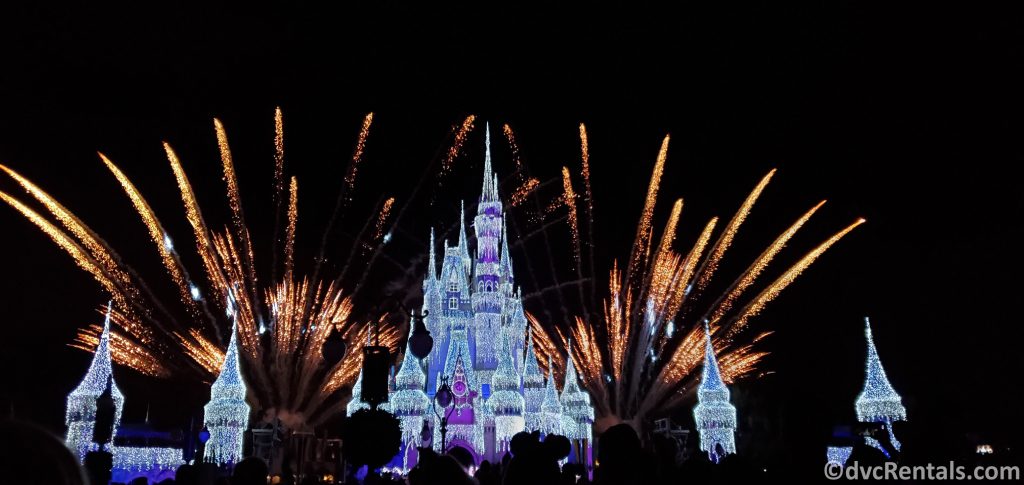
(281, 325)
(641, 351)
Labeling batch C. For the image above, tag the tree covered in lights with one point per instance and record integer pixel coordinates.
(714, 415)
(878, 402)
(80, 416)
(227, 413)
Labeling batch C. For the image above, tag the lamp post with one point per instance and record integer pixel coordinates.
(444, 397)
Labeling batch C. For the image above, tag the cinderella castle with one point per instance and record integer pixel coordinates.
(483, 348)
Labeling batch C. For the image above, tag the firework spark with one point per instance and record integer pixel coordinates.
(574, 226)
(460, 139)
(641, 354)
(520, 195)
(281, 326)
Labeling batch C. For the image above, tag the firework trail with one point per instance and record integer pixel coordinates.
(347, 189)
(278, 186)
(520, 194)
(642, 354)
(456, 147)
(281, 326)
(588, 198)
(574, 227)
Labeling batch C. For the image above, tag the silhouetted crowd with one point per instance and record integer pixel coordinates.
(30, 455)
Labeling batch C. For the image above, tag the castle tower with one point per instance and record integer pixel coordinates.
(226, 416)
(714, 415)
(410, 404)
(577, 414)
(487, 301)
(80, 415)
(356, 402)
(533, 387)
(455, 314)
(551, 408)
(432, 301)
(878, 401)
(506, 401)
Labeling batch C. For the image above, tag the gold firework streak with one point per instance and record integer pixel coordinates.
(773, 290)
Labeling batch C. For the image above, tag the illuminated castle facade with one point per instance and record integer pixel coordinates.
(483, 348)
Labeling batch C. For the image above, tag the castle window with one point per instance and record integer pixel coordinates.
(453, 303)
(453, 285)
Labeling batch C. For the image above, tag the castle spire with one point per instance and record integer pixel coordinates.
(80, 414)
(410, 375)
(551, 407)
(712, 378)
(488, 192)
(467, 261)
(878, 402)
(571, 385)
(409, 403)
(226, 416)
(506, 401)
(432, 263)
(505, 266)
(714, 415)
(505, 377)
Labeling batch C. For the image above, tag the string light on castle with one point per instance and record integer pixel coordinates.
(714, 415)
(227, 414)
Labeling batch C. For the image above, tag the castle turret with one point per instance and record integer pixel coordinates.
(878, 402)
(506, 401)
(487, 301)
(714, 415)
(577, 414)
(356, 402)
(432, 300)
(533, 387)
(409, 403)
(551, 407)
(226, 416)
(80, 416)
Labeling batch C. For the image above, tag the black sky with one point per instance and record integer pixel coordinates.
(907, 115)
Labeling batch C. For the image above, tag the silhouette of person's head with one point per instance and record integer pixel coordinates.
(186, 475)
(619, 455)
(463, 456)
(435, 469)
(139, 481)
(250, 471)
(29, 454)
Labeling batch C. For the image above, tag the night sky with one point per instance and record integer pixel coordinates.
(906, 115)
